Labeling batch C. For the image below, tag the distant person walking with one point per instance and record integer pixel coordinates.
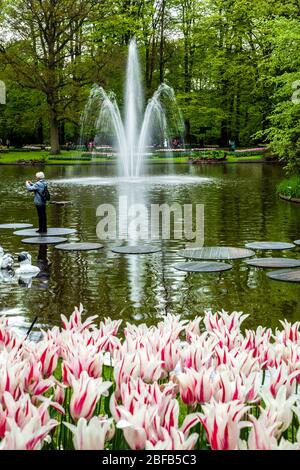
(7, 143)
(91, 145)
(41, 196)
(232, 145)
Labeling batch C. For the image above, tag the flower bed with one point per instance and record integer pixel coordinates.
(180, 385)
(208, 156)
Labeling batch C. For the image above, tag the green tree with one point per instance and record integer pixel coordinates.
(44, 40)
(281, 71)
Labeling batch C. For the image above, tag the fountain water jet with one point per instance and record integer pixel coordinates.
(102, 117)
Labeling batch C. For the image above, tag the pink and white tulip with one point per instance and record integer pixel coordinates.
(93, 434)
(173, 440)
(222, 423)
(86, 393)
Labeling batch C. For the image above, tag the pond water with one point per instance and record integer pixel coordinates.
(240, 206)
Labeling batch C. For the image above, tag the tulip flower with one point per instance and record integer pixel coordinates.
(279, 377)
(193, 328)
(30, 437)
(278, 409)
(59, 393)
(257, 343)
(82, 358)
(290, 332)
(172, 324)
(3, 418)
(8, 339)
(109, 327)
(86, 393)
(91, 435)
(261, 436)
(47, 354)
(187, 385)
(170, 355)
(75, 321)
(23, 410)
(173, 440)
(199, 352)
(136, 428)
(196, 386)
(222, 423)
(141, 364)
(218, 321)
(11, 376)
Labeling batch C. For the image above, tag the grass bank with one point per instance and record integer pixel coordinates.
(77, 157)
(38, 156)
(290, 187)
(233, 159)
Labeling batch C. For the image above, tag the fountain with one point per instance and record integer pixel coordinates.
(141, 127)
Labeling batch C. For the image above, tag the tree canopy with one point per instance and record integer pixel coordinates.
(234, 66)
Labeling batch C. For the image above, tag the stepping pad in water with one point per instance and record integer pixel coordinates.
(274, 262)
(61, 203)
(202, 267)
(136, 250)
(297, 242)
(287, 275)
(80, 246)
(44, 240)
(216, 252)
(51, 232)
(15, 226)
(270, 245)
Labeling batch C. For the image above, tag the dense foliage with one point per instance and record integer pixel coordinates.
(234, 65)
(290, 187)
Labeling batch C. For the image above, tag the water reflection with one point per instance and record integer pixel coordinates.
(240, 207)
(44, 265)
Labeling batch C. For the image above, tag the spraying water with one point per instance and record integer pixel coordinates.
(140, 129)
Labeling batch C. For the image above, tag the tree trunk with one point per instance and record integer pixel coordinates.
(54, 131)
(40, 132)
(187, 132)
(62, 132)
(162, 41)
(224, 137)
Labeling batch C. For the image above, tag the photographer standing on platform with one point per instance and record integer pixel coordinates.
(41, 196)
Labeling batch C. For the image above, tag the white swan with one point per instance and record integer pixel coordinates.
(6, 261)
(6, 266)
(26, 269)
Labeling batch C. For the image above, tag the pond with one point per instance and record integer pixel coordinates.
(240, 206)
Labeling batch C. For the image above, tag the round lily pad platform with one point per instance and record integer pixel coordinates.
(44, 240)
(287, 275)
(297, 242)
(15, 226)
(80, 246)
(274, 262)
(136, 250)
(51, 232)
(270, 246)
(202, 267)
(216, 252)
(61, 203)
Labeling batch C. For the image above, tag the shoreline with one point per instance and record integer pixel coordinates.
(295, 200)
(37, 163)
